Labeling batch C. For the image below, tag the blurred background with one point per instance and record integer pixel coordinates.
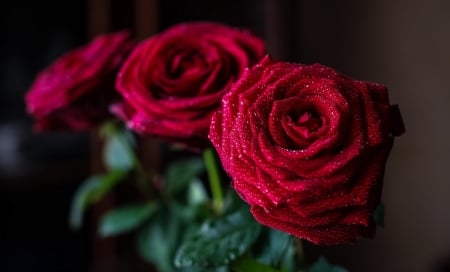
(402, 44)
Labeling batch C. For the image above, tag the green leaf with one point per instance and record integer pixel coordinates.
(118, 152)
(272, 246)
(322, 265)
(180, 173)
(232, 202)
(157, 240)
(125, 218)
(196, 194)
(193, 213)
(378, 215)
(81, 199)
(111, 128)
(108, 181)
(203, 269)
(248, 264)
(219, 241)
(289, 263)
(89, 192)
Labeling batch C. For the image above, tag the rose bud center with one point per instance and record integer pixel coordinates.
(306, 123)
(185, 62)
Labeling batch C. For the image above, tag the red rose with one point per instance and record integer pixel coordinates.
(174, 81)
(76, 90)
(306, 148)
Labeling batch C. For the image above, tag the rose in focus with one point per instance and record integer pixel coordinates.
(75, 92)
(306, 147)
(173, 82)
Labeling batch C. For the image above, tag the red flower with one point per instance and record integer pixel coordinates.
(173, 82)
(75, 92)
(306, 148)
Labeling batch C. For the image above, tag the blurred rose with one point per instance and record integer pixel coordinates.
(75, 92)
(306, 148)
(172, 82)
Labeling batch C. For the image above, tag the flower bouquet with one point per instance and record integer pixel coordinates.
(264, 154)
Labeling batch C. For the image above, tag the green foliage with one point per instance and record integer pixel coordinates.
(187, 227)
(322, 265)
(232, 202)
(196, 194)
(158, 239)
(272, 246)
(379, 215)
(213, 269)
(125, 218)
(246, 264)
(180, 173)
(118, 158)
(118, 151)
(89, 192)
(184, 202)
(289, 261)
(218, 241)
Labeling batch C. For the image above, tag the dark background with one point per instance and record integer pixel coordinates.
(38, 173)
(402, 44)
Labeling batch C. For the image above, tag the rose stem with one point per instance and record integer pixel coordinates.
(214, 180)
